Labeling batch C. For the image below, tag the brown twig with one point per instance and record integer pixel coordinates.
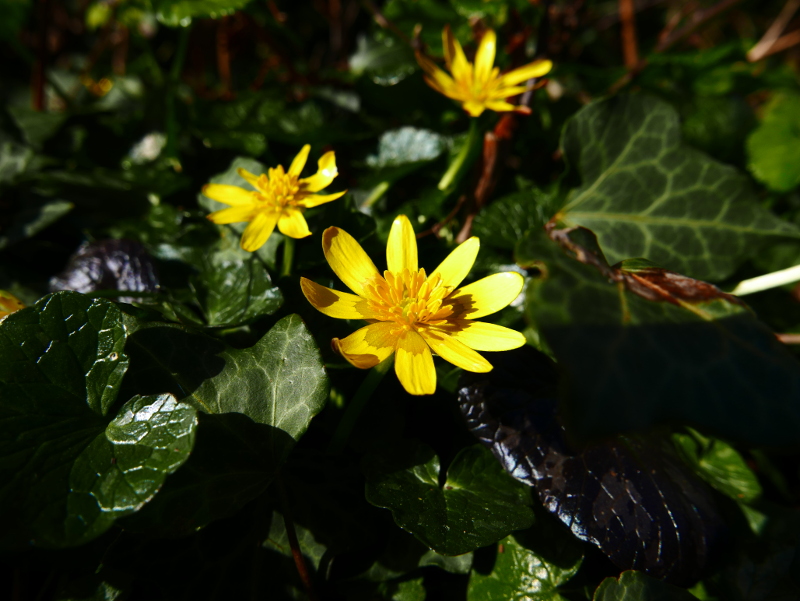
(773, 37)
(629, 46)
(381, 20)
(788, 338)
(224, 57)
(38, 79)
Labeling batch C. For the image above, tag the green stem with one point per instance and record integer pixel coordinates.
(768, 281)
(356, 405)
(288, 256)
(376, 194)
(459, 164)
(172, 87)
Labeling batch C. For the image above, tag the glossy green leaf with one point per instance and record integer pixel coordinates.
(180, 12)
(646, 195)
(720, 465)
(477, 505)
(640, 346)
(519, 574)
(67, 472)
(773, 149)
(638, 586)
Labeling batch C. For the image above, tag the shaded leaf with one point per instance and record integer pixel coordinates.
(636, 586)
(478, 504)
(505, 221)
(646, 195)
(180, 12)
(632, 497)
(773, 149)
(33, 218)
(639, 345)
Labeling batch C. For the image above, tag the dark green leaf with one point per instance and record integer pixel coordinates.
(504, 222)
(774, 147)
(644, 346)
(646, 195)
(386, 60)
(638, 586)
(720, 465)
(33, 218)
(519, 574)
(36, 126)
(477, 505)
(14, 159)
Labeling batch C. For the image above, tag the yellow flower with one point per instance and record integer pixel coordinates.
(9, 303)
(411, 313)
(279, 198)
(480, 86)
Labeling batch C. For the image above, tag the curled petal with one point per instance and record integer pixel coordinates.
(487, 295)
(348, 260)
(401, 250)
(259, 230)
(231, 215)
(526, 72)
(292, 223)
(333, 303)
(229, 195)
(484, 57)
(455, 58)
(414, 364)
(457, 264)
(482, 336)
(296, 168)
(325, 174)
(368, 346)
(314, 200)
(457, 353)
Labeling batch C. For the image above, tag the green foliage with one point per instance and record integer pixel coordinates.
(169, 442)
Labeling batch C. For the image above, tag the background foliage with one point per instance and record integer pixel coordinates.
(168, 401)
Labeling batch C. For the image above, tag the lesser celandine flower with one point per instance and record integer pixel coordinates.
(279, 198)
(480, 86)
(412, 313)
(9, 303)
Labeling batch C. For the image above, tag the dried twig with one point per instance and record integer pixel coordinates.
(788, 338)
(224, 57)
(766, 45)
(297, 554)
(629, 47)
(39, 67)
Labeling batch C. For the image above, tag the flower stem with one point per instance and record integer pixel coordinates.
(171, 150)
(288, 256)
(357, 404)
(459, 164)
(768, 281)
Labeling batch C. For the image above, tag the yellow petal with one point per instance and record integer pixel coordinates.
(487, 295)
(455, 58)
(482, 336)
(401, 250)
(368, 346)
(292, 223)
(442, 81)
(450, 349)
(414, 364)
(484, 57)
(333, 303)
(526, 72)
(251, 179)
(502, 107)
(232, 215)
(457, 264)
(296, 168)
(229, 195)
(258, 231)
(475, 109)
(314, 200)
(326, 172)
(503, 93)
(348, 260)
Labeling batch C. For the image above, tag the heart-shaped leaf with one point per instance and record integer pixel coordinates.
(646, 195)
(478, 504)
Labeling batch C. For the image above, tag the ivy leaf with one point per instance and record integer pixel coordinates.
(477, 505)
(719, 464)
(639, 346)
(773, 149)
(630, 496)
(506, 221)
(637, 586)
(69, 472)
(519, 574)
(647, 195)
(175, 13)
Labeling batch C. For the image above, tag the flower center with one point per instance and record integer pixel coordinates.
(277, 189)
(409, 298)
